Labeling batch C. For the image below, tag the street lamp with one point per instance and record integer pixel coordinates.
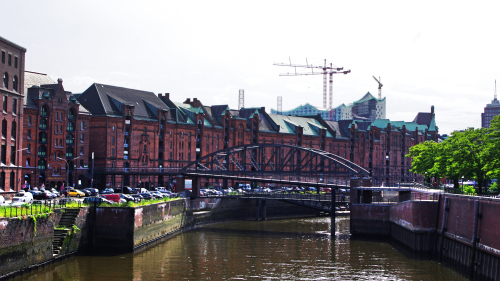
(463, 184)
(67, 169)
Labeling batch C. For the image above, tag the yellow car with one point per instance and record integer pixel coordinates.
(76, 192)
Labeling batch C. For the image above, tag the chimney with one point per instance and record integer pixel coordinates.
(167, 95)
(160, 95)
(59, 81)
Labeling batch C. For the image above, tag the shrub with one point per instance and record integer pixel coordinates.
(469, 189)
(493, 188)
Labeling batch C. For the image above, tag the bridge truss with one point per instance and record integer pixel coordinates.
(276, 163)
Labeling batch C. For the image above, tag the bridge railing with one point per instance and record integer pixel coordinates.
(285, 195)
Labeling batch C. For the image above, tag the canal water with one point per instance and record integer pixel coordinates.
(295, 249)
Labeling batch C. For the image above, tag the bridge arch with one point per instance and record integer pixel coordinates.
(275, 163)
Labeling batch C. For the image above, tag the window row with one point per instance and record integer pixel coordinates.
(7, 58)
(42, 165)
(6, 105)
(13, 130)
(15, 82)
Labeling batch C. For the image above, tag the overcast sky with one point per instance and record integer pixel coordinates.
(439, 53)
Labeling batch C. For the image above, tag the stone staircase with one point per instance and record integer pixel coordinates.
(67, 221)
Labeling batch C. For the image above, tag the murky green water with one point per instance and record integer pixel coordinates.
(298, 249)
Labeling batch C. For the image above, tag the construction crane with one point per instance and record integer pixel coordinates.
(379, 87)
(326, 70)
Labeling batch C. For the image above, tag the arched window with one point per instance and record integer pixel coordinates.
(14, 83)
(13, 131)
(6, 80)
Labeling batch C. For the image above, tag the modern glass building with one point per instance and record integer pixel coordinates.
(368, 108)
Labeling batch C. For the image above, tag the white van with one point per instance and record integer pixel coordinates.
(24, 197)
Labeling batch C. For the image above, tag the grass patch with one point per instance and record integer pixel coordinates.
(24, 211)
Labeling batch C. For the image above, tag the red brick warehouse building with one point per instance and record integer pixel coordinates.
(12, 91)
(142, 130)
(56, 135)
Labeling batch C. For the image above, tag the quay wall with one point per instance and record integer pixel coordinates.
(123, 229)
(461, 231)
(27, 242)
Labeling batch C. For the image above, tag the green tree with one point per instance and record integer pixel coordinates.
(466, 155)
(424, 159)
(492, 149)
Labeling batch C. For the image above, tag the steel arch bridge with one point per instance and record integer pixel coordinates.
(276, 163)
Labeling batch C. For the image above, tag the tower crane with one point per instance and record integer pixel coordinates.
(379, 87)
(326, 70)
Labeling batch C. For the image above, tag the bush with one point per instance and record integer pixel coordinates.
(493, 188)
(469, 189)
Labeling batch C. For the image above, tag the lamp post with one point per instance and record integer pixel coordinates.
(67, 169)
(463, 184)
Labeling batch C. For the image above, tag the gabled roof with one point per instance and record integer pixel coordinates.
(108, 100)
(35, 79)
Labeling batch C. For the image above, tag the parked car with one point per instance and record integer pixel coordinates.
(115, 197)
(158, 195)
(24, 197)
(166, 192)
(146, 195)
(137, 197)
(97, 201)
(76, 192)
(40, 195)
(107, 191)
(129, 198)
(91, 191)
(134, 190)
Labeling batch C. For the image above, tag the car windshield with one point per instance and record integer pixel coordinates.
(16, 199)
(21, 194)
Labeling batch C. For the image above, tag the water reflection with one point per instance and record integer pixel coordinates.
(299, 249)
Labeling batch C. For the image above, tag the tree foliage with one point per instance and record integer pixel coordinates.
(472, 153)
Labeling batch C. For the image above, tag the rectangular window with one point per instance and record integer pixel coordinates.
(29, 120)
(13, 155)
(15, 62)
(3, 56)
(81, 125)
(3, 151)
(5, 103)
(10, 60)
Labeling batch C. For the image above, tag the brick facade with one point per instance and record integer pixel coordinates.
(56, 135)
(12, 92)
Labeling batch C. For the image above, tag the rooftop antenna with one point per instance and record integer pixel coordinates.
(241, 99)
(495, 88)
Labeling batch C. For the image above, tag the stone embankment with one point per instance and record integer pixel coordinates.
(460, 231)
(29, 242)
